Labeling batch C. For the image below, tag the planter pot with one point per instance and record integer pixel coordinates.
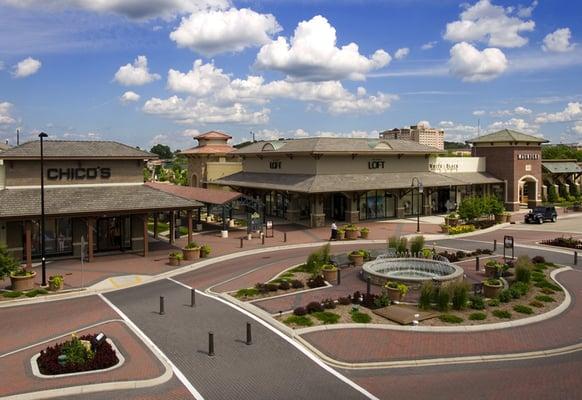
(393, 294)
(577, 207)
(351, 235)
(191, 254)
(174, 262)
(21, 283)
(357, 260)
(341, 235)
(444, 228)
(364, 235)
(54, 287)
(491, 292)
(508, 218)
(490, 271)
(500, 218)
(451, 221)
(203, 255)
(330, 275)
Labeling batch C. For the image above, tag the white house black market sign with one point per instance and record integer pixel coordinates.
(71, 174)
(526, 156)
(376, 164)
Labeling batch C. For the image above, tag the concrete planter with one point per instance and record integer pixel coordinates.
(351, 234)
(394, 294)
(174, 261)
(191, 254)
(330, 275)
(451, 221)
(357, 260)
(499, 218)
(341, 235)
(21, 283)
(491, 291)
(364, 234)
(54, 286)
(490, 271)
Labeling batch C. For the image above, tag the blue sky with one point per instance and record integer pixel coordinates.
(143, 72)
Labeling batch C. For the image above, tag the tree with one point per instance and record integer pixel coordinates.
(163, 151)
(8, 264)
(552, 194)
(561, 152)
(471, 208)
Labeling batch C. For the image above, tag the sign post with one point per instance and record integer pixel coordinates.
(269, 226)
(508, 243)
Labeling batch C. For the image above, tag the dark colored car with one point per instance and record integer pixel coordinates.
(540, 214)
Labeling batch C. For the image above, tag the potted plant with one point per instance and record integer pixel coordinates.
(364, 232)
(191, 251)
(395, 290)
(56, 282)
(22, 279)
(8, 264)
(351, 231)
(329, 272)
(492, 288)
(444, 228)
(507, 216)
(452, 219)
(492, 269)
(357, 257)
(205, 250)
(341, 234)
(175, 258)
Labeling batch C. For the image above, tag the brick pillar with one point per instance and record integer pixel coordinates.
(189, 217)
(156, 218)
(172, 227)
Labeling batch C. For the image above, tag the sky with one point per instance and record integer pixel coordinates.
(144, 72)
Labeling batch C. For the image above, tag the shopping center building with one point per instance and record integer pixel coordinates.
(94, 195)
(315, 180)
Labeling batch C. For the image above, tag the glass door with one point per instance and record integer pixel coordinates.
(113, 233)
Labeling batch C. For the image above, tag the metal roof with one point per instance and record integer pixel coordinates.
(562, 167)
(211, 196)
(507, 135)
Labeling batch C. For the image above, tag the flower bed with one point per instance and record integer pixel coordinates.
(80, 358)
(570, 242)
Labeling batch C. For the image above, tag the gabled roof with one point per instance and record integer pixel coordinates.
(210, 149)
(322, 145)
(4, 147)
(211, 196)
(507, 135)
(79, 150)
(213, 135)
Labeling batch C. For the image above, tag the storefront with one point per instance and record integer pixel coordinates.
(315, 180)
(95, 200)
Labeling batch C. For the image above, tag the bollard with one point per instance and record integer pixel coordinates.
(285, 237)
(241, 243)
(162, 312)
(477, 263)
(249, 335)
(339, 276)
(494, 244)
(263, 238)
(575, 258)
(368, 284)
(192, 297)
(210, 344)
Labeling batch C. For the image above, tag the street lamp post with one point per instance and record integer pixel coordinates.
(420, 191)
(42, 135)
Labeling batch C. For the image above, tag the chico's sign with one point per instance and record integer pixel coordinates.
(69, 174)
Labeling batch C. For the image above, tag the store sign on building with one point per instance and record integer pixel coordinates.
(528, 156)
(70, 174)
(275, 164)
(376, 164)
(443, 167)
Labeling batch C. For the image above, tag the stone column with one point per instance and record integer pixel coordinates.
(292, 212)
(399, 205)
(145, 235)
(189, 217)
(317, 215)
(352, 215)
(172, 227)
(427, 208)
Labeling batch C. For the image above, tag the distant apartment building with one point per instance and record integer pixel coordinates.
(421, 134)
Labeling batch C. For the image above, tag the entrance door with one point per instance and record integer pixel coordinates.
(338, 211)
(113, 234)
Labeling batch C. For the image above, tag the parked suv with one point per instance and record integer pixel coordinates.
(541, 214)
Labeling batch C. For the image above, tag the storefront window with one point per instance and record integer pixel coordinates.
(390, 201)
(58, 237)
(113, 233)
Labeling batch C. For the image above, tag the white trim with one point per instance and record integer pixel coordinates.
(74, 185)
(154, 347)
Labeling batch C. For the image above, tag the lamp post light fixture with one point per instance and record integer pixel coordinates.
(42, 135)
(420, 191)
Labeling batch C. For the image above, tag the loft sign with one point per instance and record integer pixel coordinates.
(376, 164)
(275, 164)
(528, 156)
(70, 174)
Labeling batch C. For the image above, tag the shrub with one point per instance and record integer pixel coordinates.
(460, 295)
(544, 298)
(552, 194)
(493, 303)
(261, 287)
(316, 282)
(317, 259)
(455, 230)
(327, 317)
(477, 302)
(369, 300)
(297, 284)
(402, 245)
(426, 295)
(356, 297)
(477, 316)
(12, 294)
(302, 320)
(505, 296)
(284, 285)
(328, 304)
(360, 317)
(471, 208)
(443, 298)
(393, 242)
(523, 268)
(547, 284)
(522, 309)
(35, 292)
(8, 264)
(502, 314)
(272, 287)
(547, 291)
(450, 318)
(402, 288)
(314, 306)
(344, 301)
(538, 260)
(521, 287)
(536, 303)
(205, 250)
(250, 292)
(382, 301)
(416, 244)
(299, 311)
(515, 293)
(461, 254)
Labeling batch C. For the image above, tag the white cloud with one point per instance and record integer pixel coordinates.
(522, 110)
(129, 97)
(424, 123)
(202, 80)
(428, 45)
(212, 32)
(300, 133)
(1, 65)
(472, 65)
(458, 132)
(478, 113)
(401, 53)
(28, 66)
(133, 9)
(446, 124)
(311, 54)
(135, 74)
(5, 113)
(495, 25)
(191, 110)
(558, 41)
(526, 12)
(517, 124)
(571, 112)
(577, 128)
(516, 111)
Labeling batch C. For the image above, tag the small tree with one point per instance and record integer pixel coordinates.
(416, 244)
(8, 264)
(494, 206)
(471, 208)
(552, 194)
(163, 151)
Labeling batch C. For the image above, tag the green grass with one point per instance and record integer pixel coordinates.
(502, 314)
(35, 292)
(12, 295)
(162, 227)
(250, 292)
(450, 318)
(544, 298)
(493, 303)
(326, 317)
(288, 275)
(520, 308)
(545, 284)
(477, 316)
(302, 320)
(360, 317)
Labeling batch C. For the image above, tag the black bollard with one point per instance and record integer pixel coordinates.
(192, 297)
(249, 334)
(494, 244)
(210, 344)
(339, 276)
(575, 258)
(263, 239)
(368, 284)
(162, 312)
(241, 243)
(285, 237)
(477, 263)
